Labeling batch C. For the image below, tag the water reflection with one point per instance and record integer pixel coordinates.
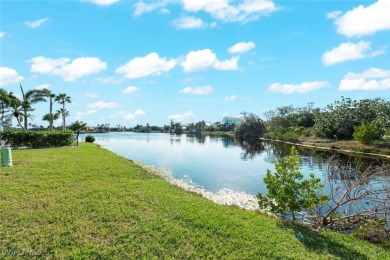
(224, 163)
(251, 148)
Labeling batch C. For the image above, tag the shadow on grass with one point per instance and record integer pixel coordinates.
(322, 244)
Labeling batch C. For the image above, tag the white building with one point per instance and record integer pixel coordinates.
(231, 120)
(4, 125)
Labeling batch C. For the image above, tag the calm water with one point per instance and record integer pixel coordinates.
(221, 168)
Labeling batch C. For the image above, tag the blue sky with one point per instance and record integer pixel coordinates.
(136, 62)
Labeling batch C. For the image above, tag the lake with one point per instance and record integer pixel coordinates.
(220, 168)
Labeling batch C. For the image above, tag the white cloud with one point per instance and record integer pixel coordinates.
(109, 80)
(9, 76)
(80, 115)
(42, 86)
(349, 51)
(91, 94)
(2, 34)
(241, 47)
(371, 79)
(188, 22)
(206, 59)
(129, 90)
(230, 98)
(129, 116)
(362, 21)
(197, 90)
(245, 10)
(139, 112)
(151, 64)
(36, 23)
(69, 71)
(144, 7)
(333, 15)
(101, 2)
(182, 117)
(224, 10)
(102, 105)
(304, 87)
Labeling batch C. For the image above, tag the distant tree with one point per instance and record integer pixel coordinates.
(50, 117)
(62, 99)
(15, 106)
(340, 118)
(77, 127)
(250, 127)
(4, 104)
(64, 114)
(28, 99)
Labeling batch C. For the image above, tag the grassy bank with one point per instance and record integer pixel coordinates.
(86, 202)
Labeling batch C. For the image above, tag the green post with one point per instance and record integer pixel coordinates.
(6, 157)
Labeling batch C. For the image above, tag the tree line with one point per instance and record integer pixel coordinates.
(21, 108)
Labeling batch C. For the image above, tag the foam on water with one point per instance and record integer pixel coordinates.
(224, 196)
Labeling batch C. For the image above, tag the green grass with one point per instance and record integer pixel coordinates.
(86, 202)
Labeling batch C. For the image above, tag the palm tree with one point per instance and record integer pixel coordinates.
(28, 99)
(63, 98)
(4, 103)
(77, 127)
(49, 117)
(64, 113)
(15, 106)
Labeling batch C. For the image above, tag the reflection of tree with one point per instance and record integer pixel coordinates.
(251, 148)
(275, 151)
(199, 138)
(175, 138)
(228, 141)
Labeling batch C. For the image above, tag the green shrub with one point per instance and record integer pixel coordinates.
(365, 133)
(286, 189)
(37, 139)
(375, 231)
(290, 137)
(90, 139)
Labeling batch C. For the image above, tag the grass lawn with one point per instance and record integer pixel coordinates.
(86, 202)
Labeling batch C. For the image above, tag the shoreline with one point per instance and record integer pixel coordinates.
(316, 146)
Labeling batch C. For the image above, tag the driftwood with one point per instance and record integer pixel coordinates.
(354, 195)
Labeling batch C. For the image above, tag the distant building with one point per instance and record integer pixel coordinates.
(4, 125)
(229, 120)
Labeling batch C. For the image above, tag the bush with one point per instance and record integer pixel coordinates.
(375, 231)
(37, 139)
(89, 139)
(286, 189)
(289, 137)
(365, 133)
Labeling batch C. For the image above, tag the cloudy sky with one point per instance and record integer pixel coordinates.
(135, 62)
